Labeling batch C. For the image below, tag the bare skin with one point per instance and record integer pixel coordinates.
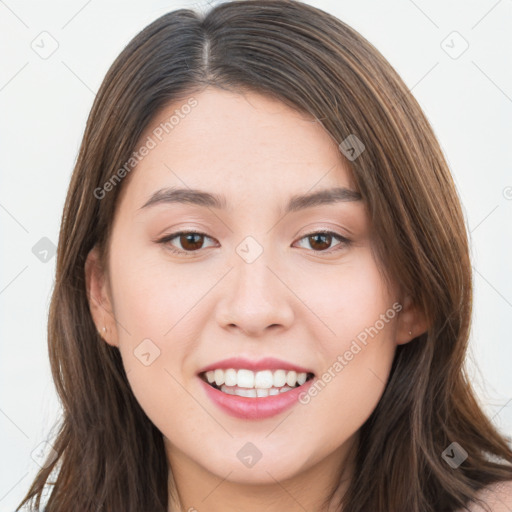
(304, 299)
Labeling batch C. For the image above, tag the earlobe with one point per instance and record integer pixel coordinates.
(411, 322)
(98, 296)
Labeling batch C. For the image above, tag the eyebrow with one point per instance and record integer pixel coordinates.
(207, 199)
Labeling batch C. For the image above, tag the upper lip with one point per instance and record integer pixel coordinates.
(267, 363)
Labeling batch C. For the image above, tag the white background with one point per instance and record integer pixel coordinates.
(44, 104)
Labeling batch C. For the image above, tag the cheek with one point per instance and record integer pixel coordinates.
(350, 298)
(151, 295)
(358, 352)
(147, 307)
(351, 384)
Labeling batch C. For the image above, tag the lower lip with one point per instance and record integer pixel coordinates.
(255, 408)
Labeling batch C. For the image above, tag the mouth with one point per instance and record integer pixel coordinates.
(255, 384)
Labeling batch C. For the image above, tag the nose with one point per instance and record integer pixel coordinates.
(254, 298)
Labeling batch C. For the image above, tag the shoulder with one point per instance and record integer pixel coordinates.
(497, 497)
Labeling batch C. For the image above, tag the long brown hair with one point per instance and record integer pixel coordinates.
(110, 455)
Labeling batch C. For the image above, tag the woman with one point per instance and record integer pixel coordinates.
(263, 289)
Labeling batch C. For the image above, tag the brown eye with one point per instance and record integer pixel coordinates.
(320, 241)
(184, 242)
(191, 241)
(187, 242)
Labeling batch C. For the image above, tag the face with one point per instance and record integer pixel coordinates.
(265, 291)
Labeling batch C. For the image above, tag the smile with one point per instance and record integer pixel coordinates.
(250, 384)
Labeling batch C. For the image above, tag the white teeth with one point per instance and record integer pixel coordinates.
(219, 377)
(244, 378)
(255, 384)
(249, 393)
(279, 378)
(253, 393)
(230, 377)
(264, 379)
(228, 390)
(291, 378)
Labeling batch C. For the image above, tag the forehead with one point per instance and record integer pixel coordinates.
(251, 147)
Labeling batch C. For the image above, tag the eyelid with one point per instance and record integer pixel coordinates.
(327, 231)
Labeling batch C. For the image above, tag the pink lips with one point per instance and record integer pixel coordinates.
(260, 407)
(254, 408)
(268, 363)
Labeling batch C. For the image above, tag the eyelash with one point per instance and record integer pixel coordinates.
(344, 242)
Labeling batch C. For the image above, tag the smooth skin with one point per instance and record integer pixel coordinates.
(304, 299)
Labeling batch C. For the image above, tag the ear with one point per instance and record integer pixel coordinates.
(99, 298)
(411, 322)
